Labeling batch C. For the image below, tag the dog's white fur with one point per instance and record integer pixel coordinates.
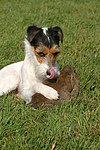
(44, 31)
(27, 76)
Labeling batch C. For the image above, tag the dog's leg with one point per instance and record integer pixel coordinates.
(47, 91)
(9, 80)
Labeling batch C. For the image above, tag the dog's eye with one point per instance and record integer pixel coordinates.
(41, 54)
(55, 54)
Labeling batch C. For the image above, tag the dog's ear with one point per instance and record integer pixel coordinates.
(32, 31)
(59, 31)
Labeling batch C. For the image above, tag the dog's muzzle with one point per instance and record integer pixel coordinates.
(50, 73)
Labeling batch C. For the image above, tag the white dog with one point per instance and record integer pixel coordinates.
(42, 49)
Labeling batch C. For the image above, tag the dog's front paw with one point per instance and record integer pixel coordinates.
(52, 94)
(47, 91)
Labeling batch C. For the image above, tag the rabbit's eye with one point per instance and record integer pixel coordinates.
(74, 71)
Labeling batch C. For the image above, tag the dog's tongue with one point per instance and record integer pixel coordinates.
(52, 74)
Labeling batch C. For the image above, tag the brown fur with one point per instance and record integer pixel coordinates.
(67, 86)
(47, 52)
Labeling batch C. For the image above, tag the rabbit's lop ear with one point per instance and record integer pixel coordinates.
(59, 31)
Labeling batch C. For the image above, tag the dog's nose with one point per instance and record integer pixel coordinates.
(48, 72)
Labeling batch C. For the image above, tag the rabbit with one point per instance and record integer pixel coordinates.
(67, 85)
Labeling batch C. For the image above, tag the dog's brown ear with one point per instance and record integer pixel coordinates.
(60, 33)
(32, 31)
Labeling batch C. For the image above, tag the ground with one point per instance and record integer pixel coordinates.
(74, 125)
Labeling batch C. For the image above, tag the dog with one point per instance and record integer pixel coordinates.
(41, 51)
(66, 84)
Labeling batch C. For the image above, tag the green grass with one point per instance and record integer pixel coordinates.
(74, 125)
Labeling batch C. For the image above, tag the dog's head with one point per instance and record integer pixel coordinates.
(45, 47)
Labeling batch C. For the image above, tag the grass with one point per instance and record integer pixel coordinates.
(74, 125)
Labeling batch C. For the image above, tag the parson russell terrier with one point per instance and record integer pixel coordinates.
(41, 51)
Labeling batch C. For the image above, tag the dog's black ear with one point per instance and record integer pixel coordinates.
(32, 31)
(60, 33)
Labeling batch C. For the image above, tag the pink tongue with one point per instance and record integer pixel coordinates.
(52, 72)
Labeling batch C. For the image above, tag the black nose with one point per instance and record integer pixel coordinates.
(48, 72)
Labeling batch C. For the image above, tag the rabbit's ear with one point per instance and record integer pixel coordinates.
(32, 31)
(59, 31)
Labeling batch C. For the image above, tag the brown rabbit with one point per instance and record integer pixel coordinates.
(66, 84)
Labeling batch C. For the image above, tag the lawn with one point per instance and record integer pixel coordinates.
(74, 125)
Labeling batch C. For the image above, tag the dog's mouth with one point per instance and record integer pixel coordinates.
(50, 73)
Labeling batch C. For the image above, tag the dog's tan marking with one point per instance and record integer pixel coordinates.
(53, 52)
(43, 54)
